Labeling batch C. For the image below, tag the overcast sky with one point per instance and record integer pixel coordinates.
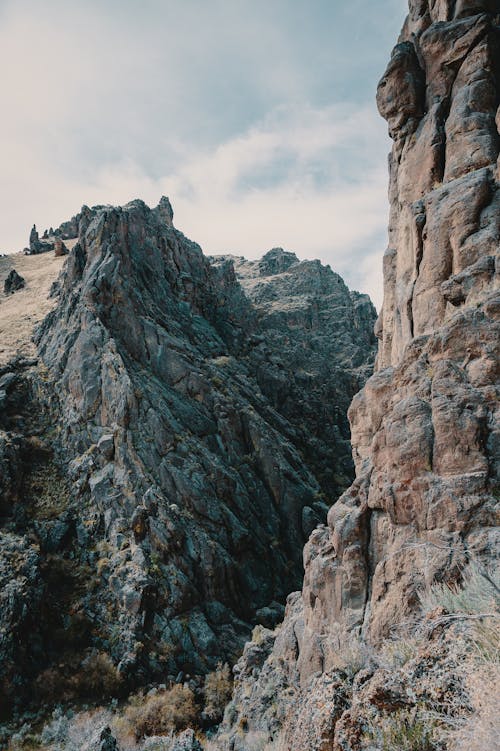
(256, 117)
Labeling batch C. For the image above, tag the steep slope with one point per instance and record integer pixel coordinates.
(170, 493)
(425, 429)
(315, 336)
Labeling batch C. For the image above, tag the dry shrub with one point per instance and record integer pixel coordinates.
(347, 651)
(481, 729)
(253, 741)
(217, 691)
(478, 593)
(99, 677)
(95, 678)
(162, 712)
(395, 653)
(74, 732)
(405, 730)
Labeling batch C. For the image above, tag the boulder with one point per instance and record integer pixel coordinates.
(13, 282)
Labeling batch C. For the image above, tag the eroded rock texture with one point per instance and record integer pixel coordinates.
(191, 433)
(425, 429)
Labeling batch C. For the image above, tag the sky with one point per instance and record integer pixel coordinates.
(256, 117)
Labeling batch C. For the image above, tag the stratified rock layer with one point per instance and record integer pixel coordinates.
(191, 432)
(425, 429)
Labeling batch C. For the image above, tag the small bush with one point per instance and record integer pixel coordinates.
(477, 601)
(481, 729)
(255, 740)
(217, 691)
(350, 653)
(478, 593)
(405, 730)
(95, 678)
(74, 732)
(99, 677)
(162, 713)
(395, 653)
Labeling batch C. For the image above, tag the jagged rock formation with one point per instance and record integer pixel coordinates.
(53, 239)
(34, 243)
(13, 282)
(312, 353)
(60, 248)
(425, 429)
(169, 467)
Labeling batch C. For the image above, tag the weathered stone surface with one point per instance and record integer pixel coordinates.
(60, 248)
(425, 428)
(21, 593)
(183, 400)
(185, 433)
(13, 282)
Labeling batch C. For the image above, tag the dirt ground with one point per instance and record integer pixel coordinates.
(22, 310)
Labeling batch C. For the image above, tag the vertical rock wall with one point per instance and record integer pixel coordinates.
(425, 428)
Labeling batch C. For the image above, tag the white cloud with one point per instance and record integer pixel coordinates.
(227, 108)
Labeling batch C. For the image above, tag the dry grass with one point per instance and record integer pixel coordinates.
(349, 653)
(480, 731)
(217, 691)
(161, 713)
(478, 593)
(24, 309)
(405, 730)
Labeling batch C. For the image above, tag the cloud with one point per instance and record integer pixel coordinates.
(256, 118)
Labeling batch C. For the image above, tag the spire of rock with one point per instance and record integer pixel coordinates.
(165, 211)
(34, 243)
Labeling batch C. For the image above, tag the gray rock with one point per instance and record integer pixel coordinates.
(13, 282)
(189, 391)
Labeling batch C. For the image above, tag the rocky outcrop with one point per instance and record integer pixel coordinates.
(34, 244)
(179, 456)
(53, 239)
(67, 230)
(13, 282)
(60, 248)
(315, 334)
(425, 429)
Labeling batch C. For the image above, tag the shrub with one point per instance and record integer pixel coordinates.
(481, 729)
(162, 712)
(74, 732)
(349, 652)
(95, 678)
(404, 730)
(99, 677)
(478, 593)
(217, 691)
(255, 740)
(476, 601)
(395, 653)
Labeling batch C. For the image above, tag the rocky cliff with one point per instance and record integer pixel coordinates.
(425, 429)
(166, 458)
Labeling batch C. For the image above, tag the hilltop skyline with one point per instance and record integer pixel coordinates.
(259, 122)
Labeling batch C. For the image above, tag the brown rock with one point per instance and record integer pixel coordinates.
(425, 428)
(60, 248)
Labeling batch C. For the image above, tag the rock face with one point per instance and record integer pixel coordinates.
(60, 248)
(190, 433)
(425, 429)
(314, 338)
(13, 282)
